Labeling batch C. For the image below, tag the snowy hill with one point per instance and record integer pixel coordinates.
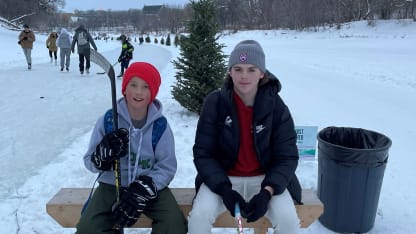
(358, 76)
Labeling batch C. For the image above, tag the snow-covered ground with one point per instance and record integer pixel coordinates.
(358, 76)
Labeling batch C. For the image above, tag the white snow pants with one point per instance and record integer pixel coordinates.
(207, 206)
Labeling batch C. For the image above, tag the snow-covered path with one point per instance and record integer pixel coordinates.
(44, 110)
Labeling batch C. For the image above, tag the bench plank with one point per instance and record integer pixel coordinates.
(65, 207)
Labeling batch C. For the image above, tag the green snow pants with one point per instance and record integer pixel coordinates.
(165, 213)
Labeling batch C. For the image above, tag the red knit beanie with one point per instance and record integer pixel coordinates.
(146, 72)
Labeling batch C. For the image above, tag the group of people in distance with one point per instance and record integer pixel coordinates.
(244, 152)
(82, 39)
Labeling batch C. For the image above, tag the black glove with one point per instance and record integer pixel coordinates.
(230, 197)
(119, 59)
(113, 146)
(127, 211)
(132, 203)
(47, 47)
(24, 38)
(145, 187)
(257, 206)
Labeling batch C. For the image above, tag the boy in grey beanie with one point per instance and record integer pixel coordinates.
(245, 150)
(248, 52)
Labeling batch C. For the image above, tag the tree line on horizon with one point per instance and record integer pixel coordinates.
(229, 14)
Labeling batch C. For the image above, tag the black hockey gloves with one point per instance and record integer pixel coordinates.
(145, 187)
(230, 198)
(128, 210)
(113, 146)
(132, 203)
(257, 206)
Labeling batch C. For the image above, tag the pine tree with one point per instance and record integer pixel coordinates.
(168, 40)
(201, 65)
(176, 40)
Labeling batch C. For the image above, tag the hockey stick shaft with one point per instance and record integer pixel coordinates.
(238, 219)
(102, 62)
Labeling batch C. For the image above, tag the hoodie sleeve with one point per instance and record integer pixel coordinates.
(74, 40)
(59, 41)
(165, 165)
(91, 40)
(97, 135)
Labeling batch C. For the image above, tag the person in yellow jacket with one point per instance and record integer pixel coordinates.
(26, 39)
(51, 45)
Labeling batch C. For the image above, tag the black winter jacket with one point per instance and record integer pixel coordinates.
(217, 139)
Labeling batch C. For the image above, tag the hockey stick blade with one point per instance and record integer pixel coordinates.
(99, 59)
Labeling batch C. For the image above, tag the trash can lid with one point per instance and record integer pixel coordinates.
(357, 145)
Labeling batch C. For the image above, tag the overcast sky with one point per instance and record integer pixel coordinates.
(72, 5)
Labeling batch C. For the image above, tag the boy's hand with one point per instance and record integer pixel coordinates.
(230, 198)
(127, 211)
(113, 146)
(145, 187)
(257, 206)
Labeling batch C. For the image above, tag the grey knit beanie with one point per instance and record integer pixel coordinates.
(248, 52)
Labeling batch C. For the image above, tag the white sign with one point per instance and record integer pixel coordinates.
(306, 140)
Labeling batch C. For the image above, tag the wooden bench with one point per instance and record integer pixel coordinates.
(65, 207)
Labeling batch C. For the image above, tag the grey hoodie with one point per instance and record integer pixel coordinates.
(159, 164)
(64, 39)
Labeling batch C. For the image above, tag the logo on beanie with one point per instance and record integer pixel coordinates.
(243, 57)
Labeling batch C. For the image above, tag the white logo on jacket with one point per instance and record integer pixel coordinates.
(260, 128)
(228, 121)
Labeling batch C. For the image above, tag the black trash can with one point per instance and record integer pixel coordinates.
(351, 164)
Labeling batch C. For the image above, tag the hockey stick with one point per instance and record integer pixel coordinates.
(238, 219)
(102, 62)
(102, 73)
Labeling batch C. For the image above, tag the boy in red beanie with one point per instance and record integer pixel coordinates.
(146, 169)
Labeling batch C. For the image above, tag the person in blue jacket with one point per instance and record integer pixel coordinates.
(245, 149)
(145, 172)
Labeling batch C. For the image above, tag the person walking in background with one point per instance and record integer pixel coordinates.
(245, 149)
(126, 54)
(144, 145)
(83, 40)
(51, 45)
(64, 43)
(26, 39)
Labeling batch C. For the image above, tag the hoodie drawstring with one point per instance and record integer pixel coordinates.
(132, 175)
